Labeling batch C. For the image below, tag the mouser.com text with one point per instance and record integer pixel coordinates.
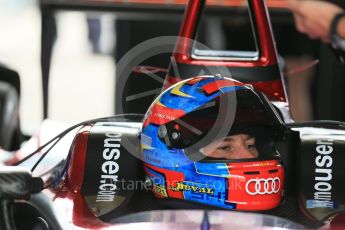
(323, 173)
(110, 167)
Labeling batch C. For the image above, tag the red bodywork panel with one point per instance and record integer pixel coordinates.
(71, 187)
(182, 53)
(267, 59)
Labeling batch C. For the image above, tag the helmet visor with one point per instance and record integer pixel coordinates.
(241, 113)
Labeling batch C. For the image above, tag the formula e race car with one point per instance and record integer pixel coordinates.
(218, 139)
(122, 170)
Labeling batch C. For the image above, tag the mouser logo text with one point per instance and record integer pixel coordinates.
(323, 173)
(180, 186)
(110, 167)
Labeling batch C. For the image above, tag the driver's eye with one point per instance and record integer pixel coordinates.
(249, 146)
(225, 148)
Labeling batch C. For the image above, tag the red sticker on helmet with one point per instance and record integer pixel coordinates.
(215, 86)
(161, 115)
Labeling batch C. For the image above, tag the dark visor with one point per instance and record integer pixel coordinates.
(231, 113)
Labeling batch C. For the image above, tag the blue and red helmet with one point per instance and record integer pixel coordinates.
(186, 118)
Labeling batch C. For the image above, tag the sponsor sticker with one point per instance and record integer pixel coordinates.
(321, 204)
(194, 187)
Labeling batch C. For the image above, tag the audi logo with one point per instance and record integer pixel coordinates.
(263, 186)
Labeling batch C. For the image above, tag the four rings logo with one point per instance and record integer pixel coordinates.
(263, 186)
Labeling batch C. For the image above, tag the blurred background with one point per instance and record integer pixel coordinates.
(81, 80)
(83, 40)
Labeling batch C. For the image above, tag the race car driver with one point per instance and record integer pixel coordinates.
(211, 141)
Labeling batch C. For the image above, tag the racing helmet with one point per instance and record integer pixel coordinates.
(194, 114)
